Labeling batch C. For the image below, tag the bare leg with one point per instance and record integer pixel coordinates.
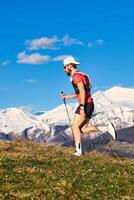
(78, 121)
(86, 128)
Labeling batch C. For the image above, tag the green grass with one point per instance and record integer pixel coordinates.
(35, 171)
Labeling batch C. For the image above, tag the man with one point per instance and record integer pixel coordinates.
(82, 85)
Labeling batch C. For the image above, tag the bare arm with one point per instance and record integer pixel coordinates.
(69, 96)
(82, 97)
(82, 92)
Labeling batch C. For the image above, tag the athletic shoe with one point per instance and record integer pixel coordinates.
(110, 129)
(77, 153)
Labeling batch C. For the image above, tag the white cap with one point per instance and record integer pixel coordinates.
(70, 60)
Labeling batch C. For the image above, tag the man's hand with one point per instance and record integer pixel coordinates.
(68, 96)
(63, 96)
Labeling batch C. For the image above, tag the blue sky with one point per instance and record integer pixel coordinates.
(36, 35)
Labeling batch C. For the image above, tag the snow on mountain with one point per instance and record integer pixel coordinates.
(114, 98)
(120, 94)
(115, 104)
(58, 115)
(16, 120)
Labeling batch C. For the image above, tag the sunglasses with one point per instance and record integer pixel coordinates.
(65, 66)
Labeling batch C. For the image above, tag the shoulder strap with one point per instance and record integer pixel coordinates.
(84, 74)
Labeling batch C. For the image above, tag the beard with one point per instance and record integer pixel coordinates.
(68, 73)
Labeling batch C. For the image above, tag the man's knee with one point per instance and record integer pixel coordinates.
(82, 130)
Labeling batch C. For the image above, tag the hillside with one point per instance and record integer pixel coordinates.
(35, 171)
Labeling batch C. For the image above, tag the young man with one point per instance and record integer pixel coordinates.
(81, 84)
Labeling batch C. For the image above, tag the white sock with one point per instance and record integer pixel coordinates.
(78, 147)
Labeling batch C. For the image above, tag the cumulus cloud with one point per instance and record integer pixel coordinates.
(42, 43)
(68, 41)
(34, 58)
(59, 58)
(6, 62)
(97, 43)
(53, 43)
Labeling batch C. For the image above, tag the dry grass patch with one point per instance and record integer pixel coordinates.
(37, 171)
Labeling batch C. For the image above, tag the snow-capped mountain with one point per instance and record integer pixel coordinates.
(114, 98)
(58, 115)
(116, 104)
(16, 120)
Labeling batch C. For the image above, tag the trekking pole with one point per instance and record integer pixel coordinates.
(64, 100)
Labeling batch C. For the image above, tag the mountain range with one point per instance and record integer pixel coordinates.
(115, 104)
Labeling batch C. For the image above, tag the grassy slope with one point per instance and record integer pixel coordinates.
(33, 171)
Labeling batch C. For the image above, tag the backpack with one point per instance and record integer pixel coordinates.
(88, 85)
(89, 79)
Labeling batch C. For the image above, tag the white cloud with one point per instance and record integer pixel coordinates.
(59, 58)
(32, 81)
(42, 43)
(68, 41)
(34, 58)
(51, 43)
(100, 42)
(6, 62)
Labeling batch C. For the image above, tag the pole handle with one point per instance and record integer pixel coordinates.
(63, 98)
